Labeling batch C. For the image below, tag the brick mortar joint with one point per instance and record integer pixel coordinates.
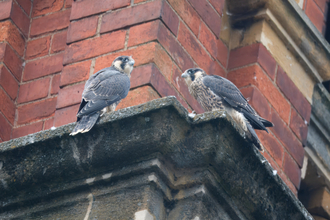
(40, 58)
(35, 101)
(49, 13)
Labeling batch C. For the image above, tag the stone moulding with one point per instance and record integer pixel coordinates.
(151, 159)
(293, 26)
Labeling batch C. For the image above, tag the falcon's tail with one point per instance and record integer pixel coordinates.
(254, 137)
(85, 123)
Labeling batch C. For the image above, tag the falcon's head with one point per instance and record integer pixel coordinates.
(124, 64)
(192, 74)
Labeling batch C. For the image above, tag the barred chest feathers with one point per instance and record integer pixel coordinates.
(211, 102)
(208, 100)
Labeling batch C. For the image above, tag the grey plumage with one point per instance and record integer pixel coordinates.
(102, 93)
(218, 93)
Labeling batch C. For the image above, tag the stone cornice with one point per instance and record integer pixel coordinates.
(208, 156)
(293, 26)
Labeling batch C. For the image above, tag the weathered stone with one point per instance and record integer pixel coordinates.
(148, 160)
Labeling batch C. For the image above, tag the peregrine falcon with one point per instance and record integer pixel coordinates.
(218, 93)
(102, 93)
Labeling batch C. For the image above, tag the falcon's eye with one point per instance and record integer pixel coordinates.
(125, 60)
(189, 71)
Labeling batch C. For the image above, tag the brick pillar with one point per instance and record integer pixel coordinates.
(39, 87)
(14, 24)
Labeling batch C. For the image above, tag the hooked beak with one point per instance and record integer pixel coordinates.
(131, 62)
(184, 75)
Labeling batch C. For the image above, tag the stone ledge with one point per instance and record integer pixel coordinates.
(202, 166)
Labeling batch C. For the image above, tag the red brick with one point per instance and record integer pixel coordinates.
(26, 5)
(43, 67)
(66, 115)
(164, 88)
(2, 51)
(5, 9)
(298, 125)
(82, 9)
(187, 13)
(9, 33)
(315, 14)
(143, 33)
(178, 54)
(287, 138)
(49, 23)
(42, 7)
(129, 16)
(292, 170)
(75, 73)
(138, 96)
(288, 183)
(59, 42)
(274, 148)
(170, 18)
(257, 101)
(20, 19)
(37, 48)
(293, 94)
(70, 95)
(94, 47)
(255, 53)
(141, 75)
(5, 129)
(7, 106)
(213, 45)
(28, 129)
(55, 87)
(139, 1)
(49, 124)
(142, 55)
(208, 15)
(82, 29)
(218, 5)
(322, 4)
(181, 86)
(8, 82)
(34, 90)
(194, 48)
(37, 110)
(68, 3)
(253, 75)
(11, 60)
(243, 56)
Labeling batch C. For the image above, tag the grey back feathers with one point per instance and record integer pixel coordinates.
(105, 88)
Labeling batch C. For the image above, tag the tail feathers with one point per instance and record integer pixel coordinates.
(266, 123)
(254, 137)
(85, 123)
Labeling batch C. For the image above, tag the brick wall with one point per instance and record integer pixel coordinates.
(46, 58)
(317, 11)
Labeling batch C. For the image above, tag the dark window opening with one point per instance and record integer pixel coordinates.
(326, 84)
(327, 28)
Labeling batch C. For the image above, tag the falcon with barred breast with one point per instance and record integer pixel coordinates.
(217, 93)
